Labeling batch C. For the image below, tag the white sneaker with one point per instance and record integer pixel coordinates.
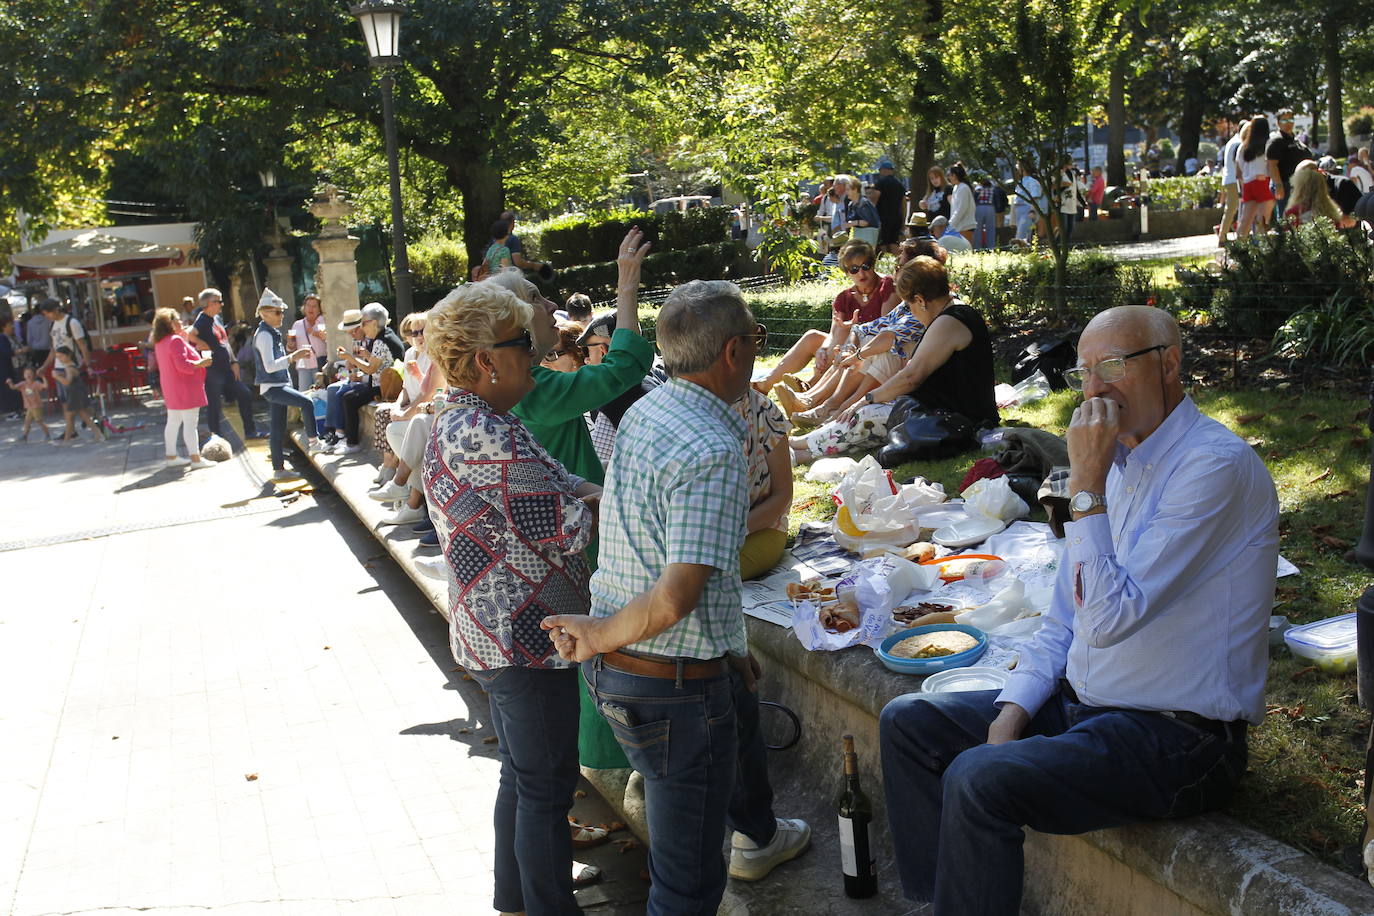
(284, 474)
(330, 448)
(178, 462)
(750, 862)
(434, 567)
(389, 492)
(352, 449)
(384, 474)
(404, 515)
(314, 447)
(202, 463)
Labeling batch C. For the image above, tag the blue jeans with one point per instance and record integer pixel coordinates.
(985, 235)
(1025, 221)
(1067, 220)
(702, 756)
(534, 714)
(279, 399)
(217, 385)
(957, 804)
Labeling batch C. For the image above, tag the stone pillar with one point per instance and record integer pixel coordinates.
(338, 273)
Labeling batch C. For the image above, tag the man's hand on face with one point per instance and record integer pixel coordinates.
(1092, 440)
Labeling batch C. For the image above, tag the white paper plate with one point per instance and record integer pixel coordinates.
(973, 529)
(956, 680)
(941, 515)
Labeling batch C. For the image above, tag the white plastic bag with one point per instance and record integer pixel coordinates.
(1005, 606)
(994, 498)
(871, 512)
(830, 470)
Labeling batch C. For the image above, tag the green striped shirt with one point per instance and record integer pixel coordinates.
(677, 491)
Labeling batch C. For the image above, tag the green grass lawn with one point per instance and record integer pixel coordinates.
(1303, 785)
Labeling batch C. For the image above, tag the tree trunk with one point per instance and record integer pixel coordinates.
(921, 160)
(1331, 52)
(1116, 120)
(1190, 119)
(484, 197)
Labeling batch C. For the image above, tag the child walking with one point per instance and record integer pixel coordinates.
(33, 389)
(76, 403)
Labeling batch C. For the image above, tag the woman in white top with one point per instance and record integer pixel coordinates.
(962, 211)
(1071, 189)
(1252, 170)
(421, 382)
(309, 331)
(1357, 170)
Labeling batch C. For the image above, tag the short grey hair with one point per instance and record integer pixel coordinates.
(209, 293)
(375, 311)
(697, 320)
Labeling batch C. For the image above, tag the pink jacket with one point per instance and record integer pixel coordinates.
(183, 384)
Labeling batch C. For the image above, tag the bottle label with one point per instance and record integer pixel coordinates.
(848, 863)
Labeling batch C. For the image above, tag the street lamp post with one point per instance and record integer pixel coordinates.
(381, 24)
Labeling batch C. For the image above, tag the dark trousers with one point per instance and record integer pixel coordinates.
(219, 384)
(353, 400)
(957, 805)
(534, 715)
(278, 399)
(701, 753)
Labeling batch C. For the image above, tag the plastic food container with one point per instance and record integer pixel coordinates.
(1328, 644)
(931, 665)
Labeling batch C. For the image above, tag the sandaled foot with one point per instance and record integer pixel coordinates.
(796, 384)
(809, 419)
(586, 836)
(789, 401)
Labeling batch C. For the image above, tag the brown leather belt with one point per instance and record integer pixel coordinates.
(687, 670)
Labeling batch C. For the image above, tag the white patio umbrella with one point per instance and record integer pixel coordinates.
(92, 250)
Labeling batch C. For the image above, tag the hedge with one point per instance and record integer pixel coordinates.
(718, 261)
(1184, 192)
(592, 238)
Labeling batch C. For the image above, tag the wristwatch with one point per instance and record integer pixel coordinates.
(868, 398)
(1084, 501)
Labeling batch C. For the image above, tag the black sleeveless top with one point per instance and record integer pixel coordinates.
(965, 382)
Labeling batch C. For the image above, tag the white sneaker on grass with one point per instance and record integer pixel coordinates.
(751, 862)
(402, 516)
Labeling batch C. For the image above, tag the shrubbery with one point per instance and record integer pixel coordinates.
(437, 263)
(1184, 193)
(592, 238)
(721, 260)
(1007, 286)
(1266, 280)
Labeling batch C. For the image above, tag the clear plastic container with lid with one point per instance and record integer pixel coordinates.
(1329, 644)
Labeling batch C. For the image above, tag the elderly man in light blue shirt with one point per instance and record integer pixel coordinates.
(1132, 702)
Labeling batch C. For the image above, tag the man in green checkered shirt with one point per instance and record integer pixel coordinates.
(664, 651)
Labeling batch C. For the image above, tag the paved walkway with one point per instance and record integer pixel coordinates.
(1187, 247)
(218, 699)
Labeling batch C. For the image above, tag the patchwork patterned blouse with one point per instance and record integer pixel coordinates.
(511, 530)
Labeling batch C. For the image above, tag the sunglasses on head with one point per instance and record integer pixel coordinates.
(857, 268)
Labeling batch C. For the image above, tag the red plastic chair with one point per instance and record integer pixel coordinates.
(138, 365)
(105, 370)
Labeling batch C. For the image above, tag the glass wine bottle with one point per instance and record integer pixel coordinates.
(856, 814)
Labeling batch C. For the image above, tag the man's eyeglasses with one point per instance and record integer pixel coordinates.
(1107, 371)
(857, 268)
(524, 340)
(759, 336)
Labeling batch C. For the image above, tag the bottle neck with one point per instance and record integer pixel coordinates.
(851, 767)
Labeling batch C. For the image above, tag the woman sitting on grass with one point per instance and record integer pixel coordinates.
(951, 370)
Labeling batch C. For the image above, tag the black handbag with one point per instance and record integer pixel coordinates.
(918, 433)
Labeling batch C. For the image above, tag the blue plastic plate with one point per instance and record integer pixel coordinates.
(931, 665)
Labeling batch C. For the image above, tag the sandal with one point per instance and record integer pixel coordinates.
(585, 836)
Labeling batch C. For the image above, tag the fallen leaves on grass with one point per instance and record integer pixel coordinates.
(1292, 712)
(1309, 416)
(1322, 476)
(1339, 494)
(1254, 442)
(1335, 542)
(1250, 418)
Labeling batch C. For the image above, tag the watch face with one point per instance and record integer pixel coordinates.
(1082, 501)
